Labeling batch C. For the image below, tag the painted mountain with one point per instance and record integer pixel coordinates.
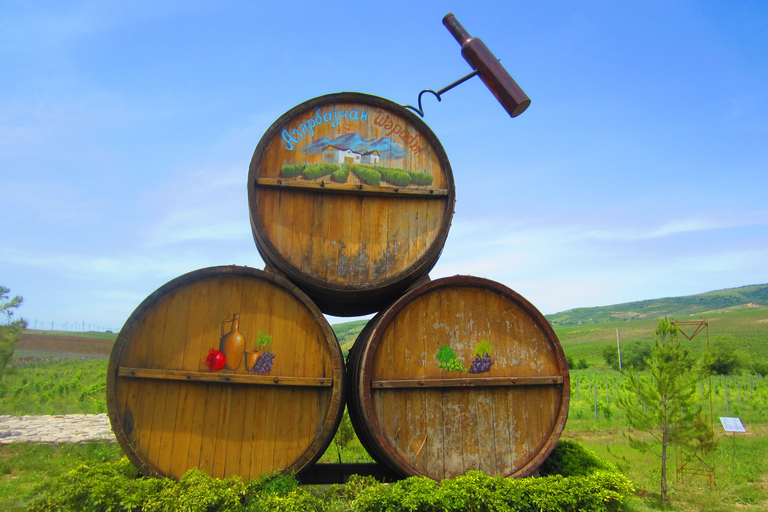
(387, 149)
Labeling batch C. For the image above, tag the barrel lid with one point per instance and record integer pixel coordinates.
(461, 373)
(351, 197)
(275, 406)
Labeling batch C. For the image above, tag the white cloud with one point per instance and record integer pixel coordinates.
(559, 267)
(205, 205)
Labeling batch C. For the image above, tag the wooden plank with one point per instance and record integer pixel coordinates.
(315, 255)
(147, 442)
(187, 394)
(412, 338)
(497, 422)
(316, 357)
(401, 354)
(217, 311)
(462, 382)
(231, 298)
(290, 414)
(465, 306)
(171, 355)
(452, 449)
(517, 427)
(256, 315)
(328, 186)
(194, 358)
(369, 231)
(225, 378)
(435, 446)
(383, 367)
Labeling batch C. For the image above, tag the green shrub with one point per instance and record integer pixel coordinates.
(367, 175)
(601, 491)
(292, 171)
(198, 492)
(117, 486)
(421, 178)
(315, 171)
(341, 175)
(394, 176)
(569, 458)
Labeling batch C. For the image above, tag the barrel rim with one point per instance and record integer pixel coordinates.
(332, 419)
(271, 254)
(363, 381)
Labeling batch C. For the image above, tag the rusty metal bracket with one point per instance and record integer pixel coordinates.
(438, 94)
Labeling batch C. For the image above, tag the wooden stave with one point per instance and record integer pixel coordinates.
(365, 298)
(360, 362)
(336, 403)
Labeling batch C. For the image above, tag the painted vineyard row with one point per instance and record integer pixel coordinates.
(373, 176)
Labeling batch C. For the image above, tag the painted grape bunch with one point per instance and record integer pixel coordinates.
(263, 363)
(481, 364)
(454, 365)
(447, 359)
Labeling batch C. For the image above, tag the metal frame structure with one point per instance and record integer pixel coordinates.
(697, 465)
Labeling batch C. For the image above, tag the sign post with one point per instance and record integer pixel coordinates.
(733, 425)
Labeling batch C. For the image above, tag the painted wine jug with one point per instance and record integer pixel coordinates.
(232, 343)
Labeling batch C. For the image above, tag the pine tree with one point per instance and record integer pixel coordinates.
(10, 331)
(662, 403)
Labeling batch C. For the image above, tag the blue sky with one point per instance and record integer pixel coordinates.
(638, 172)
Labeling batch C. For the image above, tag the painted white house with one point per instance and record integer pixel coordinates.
(370, 158)
(340, 155)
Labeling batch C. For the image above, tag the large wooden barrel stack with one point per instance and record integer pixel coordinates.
(351, 198)
(357, 246)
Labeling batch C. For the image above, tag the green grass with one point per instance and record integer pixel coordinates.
(737, 482)
(747, 398)
(25, 465)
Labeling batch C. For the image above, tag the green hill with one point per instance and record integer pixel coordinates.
(729, 300)
(347, 332)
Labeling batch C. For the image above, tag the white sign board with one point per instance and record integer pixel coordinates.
(733, 425)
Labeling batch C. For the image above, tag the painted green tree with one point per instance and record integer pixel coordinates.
(662, 401)
(10, 330)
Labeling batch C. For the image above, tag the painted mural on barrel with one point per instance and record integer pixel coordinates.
(351, 197)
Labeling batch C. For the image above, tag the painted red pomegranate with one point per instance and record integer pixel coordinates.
(215, 360)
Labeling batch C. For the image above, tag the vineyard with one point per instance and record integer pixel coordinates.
(594, 394)
(36, 385)
(368, 175)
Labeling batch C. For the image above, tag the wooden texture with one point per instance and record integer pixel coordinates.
(170, 413)
(419, 419)
(353, 247)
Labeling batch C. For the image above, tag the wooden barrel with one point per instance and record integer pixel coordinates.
(460, 374)
(171, 412)
(351, 197)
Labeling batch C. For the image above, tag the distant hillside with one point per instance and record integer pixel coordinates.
(347, 332)
(745, 298)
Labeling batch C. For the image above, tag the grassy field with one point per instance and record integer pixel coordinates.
(739, 466)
